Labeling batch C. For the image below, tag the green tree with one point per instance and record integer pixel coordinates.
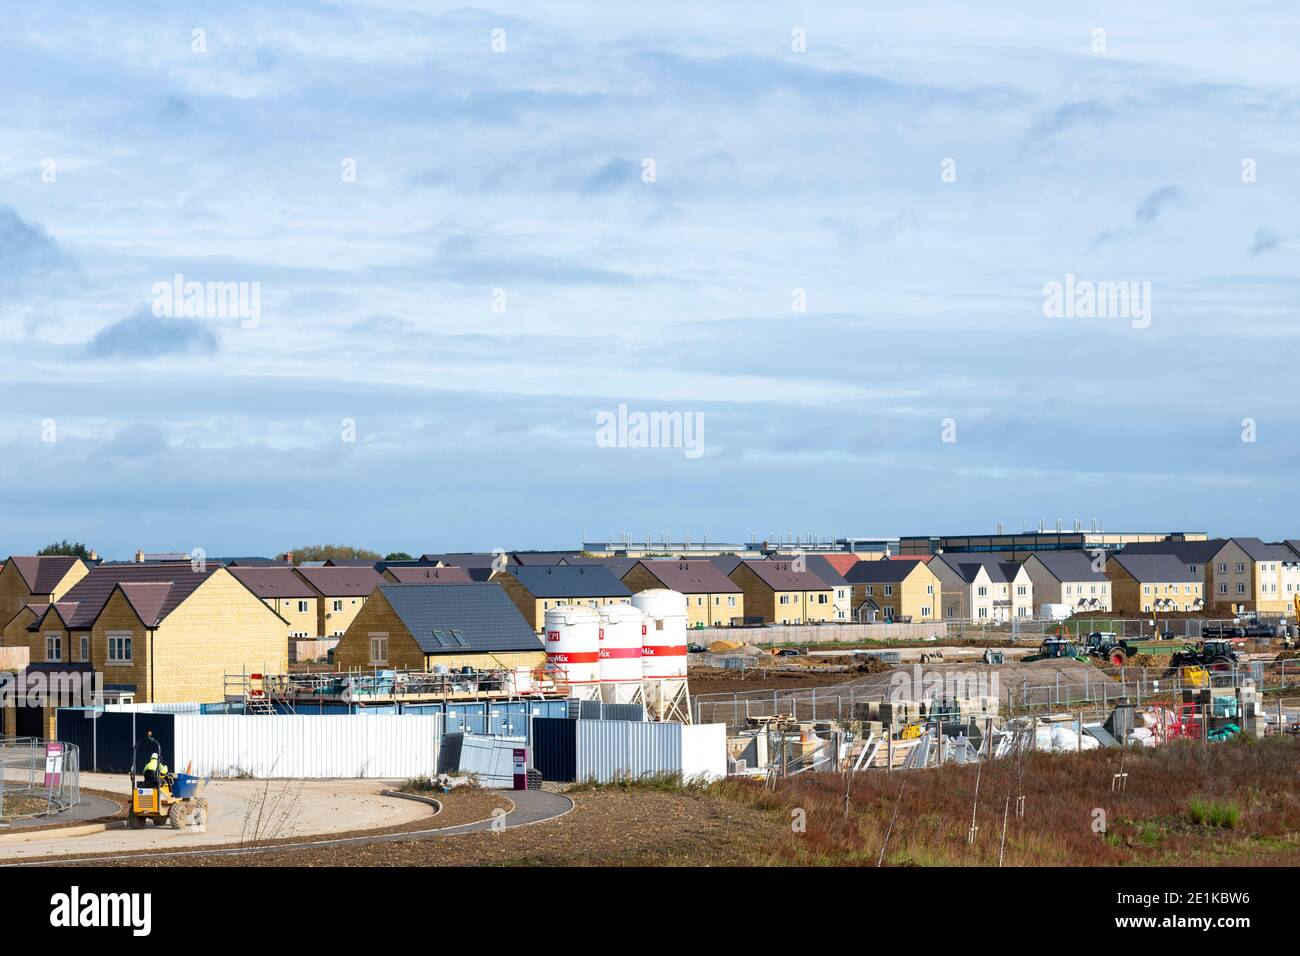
(324, 552)
(74, 549)
(398, 556)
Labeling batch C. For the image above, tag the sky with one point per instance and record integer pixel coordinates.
(466, 236)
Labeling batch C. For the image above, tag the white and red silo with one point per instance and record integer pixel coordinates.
(622, 630)
(572, 638)
(663, 654)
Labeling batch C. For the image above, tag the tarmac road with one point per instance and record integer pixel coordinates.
(289, 808)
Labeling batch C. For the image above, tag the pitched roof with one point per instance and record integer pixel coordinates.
(462, 559)
(881, 572)
(781, 576)
(1151, 568)
(483, 616)
(277, 582)
(691, 577)
(841, 562)
(1257, 550)
(619, 567)
(43, 574)
(818, 565)
(154, 590)
(349, 563)
(342, 582)
(726, 563)
(543, 558)
(569, 580)
(1189, 552)
(1069, 565)
(428, 574)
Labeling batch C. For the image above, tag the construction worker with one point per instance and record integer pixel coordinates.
(155, 771)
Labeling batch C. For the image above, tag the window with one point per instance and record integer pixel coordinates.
(983, 592)
(716, 600)
(785, 599)
(459, 637)
(1241, 589)
(1241, 567)
(119, 648)
(889, 590)
(929, 589)
(731, 600)
(53, 647)
(1069, 589)
(925, 612)
(1092, 589)
(85, 647)
(379, 648)
(699, 602)
(338, 606)
(1223, 568)
(1223, 589)
(302, 607)
(443, 638)
(1021, 590)
(983, 612)
(870, 590)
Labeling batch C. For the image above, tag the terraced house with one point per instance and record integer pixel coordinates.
(896, 590)
(712, 598)
(1072, 578)
(535, 589)
(342, 592)
(1151, 583)
(779, 594)
(1250, 575)
(162, 633)
(288, 595)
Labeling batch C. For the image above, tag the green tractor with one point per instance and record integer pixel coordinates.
(1216, 654)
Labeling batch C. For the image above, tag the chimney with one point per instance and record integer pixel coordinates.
(288, 557)
(94, 556)
(139, 556)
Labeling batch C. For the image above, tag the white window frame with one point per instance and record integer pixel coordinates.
(54, 641)
(117, 659)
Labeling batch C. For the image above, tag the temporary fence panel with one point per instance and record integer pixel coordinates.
(599, 710)
(107, 739)
(704, 751)
(380, 745)
(489, 759)
(554, 748)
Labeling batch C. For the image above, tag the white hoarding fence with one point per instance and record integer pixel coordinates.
(383, 745)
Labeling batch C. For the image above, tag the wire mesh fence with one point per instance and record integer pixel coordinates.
(1061, 688)
(38, 777)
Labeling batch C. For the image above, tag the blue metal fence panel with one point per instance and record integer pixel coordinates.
(554, 748)
(107, 740)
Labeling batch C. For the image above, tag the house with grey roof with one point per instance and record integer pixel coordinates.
(1152, 583)
(423, 626)
(1248, 574)
(712, 598)
(1072, 578)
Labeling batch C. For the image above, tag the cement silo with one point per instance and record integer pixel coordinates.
(621, 631)
(663, 655)
(572, 634)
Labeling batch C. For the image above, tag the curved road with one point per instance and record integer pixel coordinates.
(530, 806)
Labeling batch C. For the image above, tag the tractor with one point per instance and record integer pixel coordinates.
(1057, 648)
(1216, 654)
(161, 796)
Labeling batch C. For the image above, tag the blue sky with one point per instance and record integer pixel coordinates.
(522, 171)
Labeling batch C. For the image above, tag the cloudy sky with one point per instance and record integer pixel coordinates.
(473, 230)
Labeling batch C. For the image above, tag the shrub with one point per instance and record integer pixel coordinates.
(1212, 813)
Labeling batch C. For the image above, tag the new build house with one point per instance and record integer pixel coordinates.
(535, 589)
(1249, 575)
(1151, 583)
(780, 594)
(36, 580)
(422, 626)
(830, 568)
(977, 587)
(287, 594)
(712, 598)
(342, 592)
(1072, 578)
(161, 633)
(903, 590)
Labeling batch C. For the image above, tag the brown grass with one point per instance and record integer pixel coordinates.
(1153, 821)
